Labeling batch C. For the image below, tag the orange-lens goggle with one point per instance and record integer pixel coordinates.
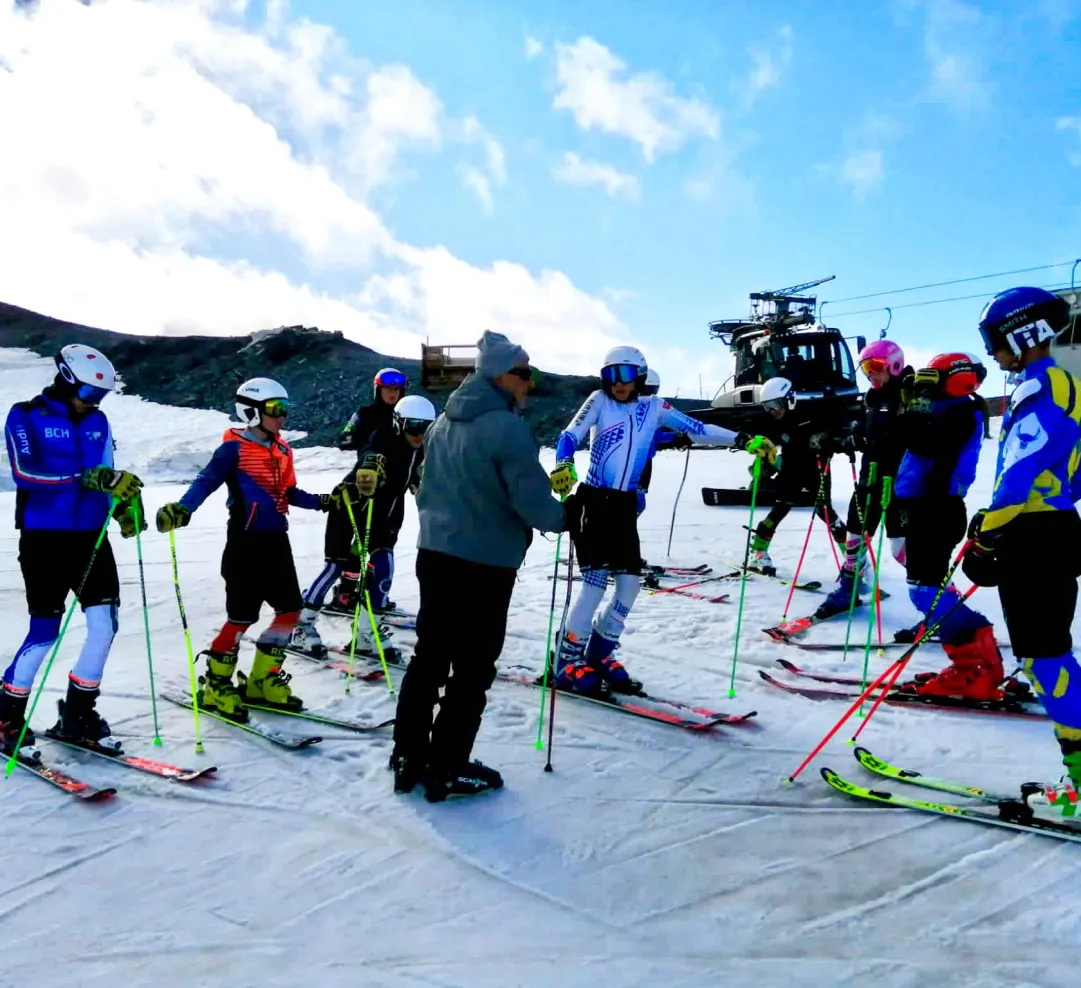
(873, 365)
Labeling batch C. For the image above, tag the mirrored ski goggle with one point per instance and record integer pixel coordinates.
(619, 374)
(775, 404)
(91, 394)
(391, 379)
(415, 427)
(873, 365)
(276, 408)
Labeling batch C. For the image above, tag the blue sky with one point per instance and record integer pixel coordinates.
(665, 159)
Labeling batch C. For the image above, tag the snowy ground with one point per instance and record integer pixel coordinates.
(651, 856)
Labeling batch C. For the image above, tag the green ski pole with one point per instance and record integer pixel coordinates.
(368, 599)
(187, 643)
(363, 557)
(887, 493)
(746, 562)
(548, 646)
(137, 509)
(10, 767)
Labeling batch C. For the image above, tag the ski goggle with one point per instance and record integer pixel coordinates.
(91, 394)
(776, 404)
(620, 374)
(530, 374)
(415, 427)
(873, 365)
(276, 408)
(391, 379)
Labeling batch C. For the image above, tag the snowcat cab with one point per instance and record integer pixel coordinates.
(443, 368)
(781, 338)
(1067, 346)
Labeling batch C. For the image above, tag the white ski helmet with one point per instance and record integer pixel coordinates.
(87, 372)
(653, 382)
(777, 392)
(413, 414)
(620, 357)
(252, 397)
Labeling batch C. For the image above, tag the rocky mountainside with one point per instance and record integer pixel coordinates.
(326, 375)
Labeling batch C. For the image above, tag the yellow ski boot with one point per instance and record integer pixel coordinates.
(218, 694)
(267, 685)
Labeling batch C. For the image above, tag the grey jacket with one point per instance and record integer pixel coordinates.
(483, 489)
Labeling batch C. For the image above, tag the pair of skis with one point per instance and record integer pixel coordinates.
(84, 790)
(1022, 704)
(1009, 812)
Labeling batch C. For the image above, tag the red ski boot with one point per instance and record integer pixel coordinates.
(975, 672)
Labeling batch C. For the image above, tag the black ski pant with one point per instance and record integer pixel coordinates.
(461, 624)
(865, 506)
(791, 482)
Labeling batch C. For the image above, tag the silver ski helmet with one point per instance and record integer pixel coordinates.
(412, 415)
(388, 377)
(653, 382)
(261, 396)
(85, 373)
(777, 393)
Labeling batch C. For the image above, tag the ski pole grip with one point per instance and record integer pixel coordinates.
(872, 473)
(887, 491)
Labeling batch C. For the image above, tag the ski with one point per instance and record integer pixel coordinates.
(841, 647)
(66, 783)
(722, 598)
(291, 741)
(327, 662)
(811, 586)
(999, 708)
(149, 765)
(394, 656)
(1009, 815)
(880, 767)
(700, 570)
(703, 721)
(787, 630)
(317, 718)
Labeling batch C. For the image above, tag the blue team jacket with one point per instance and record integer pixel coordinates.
(942, 452)
(49, 450)
(1038, 452)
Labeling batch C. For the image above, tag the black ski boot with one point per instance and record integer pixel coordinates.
(473, 779)
(408, 771)
(79, 721)
(12, 718)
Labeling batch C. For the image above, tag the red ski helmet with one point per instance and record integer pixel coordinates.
(957, 374)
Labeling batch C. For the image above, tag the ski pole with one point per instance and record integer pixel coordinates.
(887, 489)
(826, 522)
(863, 516)
(743, 582)
(10, 767)
(137, 509)
(562, 630)
(893, 670)
(908, 655)
(548, 645)
(368, 599)
(187, 642)
(806, 541)
(672, 524)
(860, 556)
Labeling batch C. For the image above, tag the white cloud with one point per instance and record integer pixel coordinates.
(575, 171)
(181, 170)
(640, 107)
(1074, 124)
(768, 66)
(956, 52)
(494, 171)
(862, 170)
(533, 48)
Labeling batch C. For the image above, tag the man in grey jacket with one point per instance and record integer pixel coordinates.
(482, 493)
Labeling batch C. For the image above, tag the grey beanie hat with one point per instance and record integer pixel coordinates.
(496, 354)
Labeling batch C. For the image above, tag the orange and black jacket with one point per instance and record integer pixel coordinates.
(258, 472)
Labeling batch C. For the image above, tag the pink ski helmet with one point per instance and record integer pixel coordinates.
(882, 355)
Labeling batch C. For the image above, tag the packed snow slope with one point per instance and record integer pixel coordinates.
(650, 856)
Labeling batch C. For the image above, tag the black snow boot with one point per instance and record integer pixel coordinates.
(474, 778)
(12, 718)
(408, 771)
(79, 721)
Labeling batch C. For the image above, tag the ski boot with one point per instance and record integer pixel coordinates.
(759, 561)
(906, 636)
(12, 718)
(408, 771)
(267, 685)
(1056, 802)
(839, 599)
(573, 672)
(306, 638)
(599, 656)
(975, 672)
(473, 779)
(839, 533)
(346, 595)
(218, 694)
(79, 721)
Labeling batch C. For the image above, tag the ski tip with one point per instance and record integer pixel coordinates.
(95, 795)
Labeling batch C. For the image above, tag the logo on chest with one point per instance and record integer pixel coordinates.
(57, 432)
